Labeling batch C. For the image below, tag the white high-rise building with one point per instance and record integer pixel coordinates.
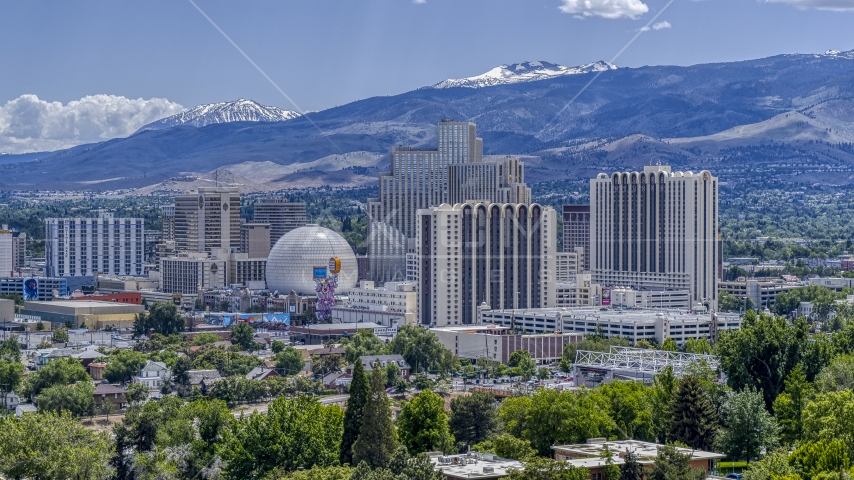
(8, 251)
(94, 246)
(282, 215)
(475, 253)
(656, 230)
(453, 173)
(207, 219)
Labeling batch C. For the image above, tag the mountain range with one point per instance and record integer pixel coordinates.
(240, 110)
(787, 119)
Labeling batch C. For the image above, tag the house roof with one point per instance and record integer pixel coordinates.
(88, 354)
(369, 360)
(198, 376)
(154, 366)
(327, 351)
(260, 373)
(107, 389)
(643, 450)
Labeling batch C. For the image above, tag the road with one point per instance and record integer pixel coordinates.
(250, 409)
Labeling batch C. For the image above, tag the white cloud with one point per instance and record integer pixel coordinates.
(833, 5)
(28, 124)
(605, 8)
(419, 1)
(661, 25)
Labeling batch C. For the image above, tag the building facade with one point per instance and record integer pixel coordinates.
(497, 343)
(94, 246)
(657, 325)
(418, 179)
(499, 180)
(281, 215)
(576, 231)
(44, 287)
(7, 253)
(190, 272)
(207, 219)
(501, 255)
(167, 223)
(255, 239)
(656, 230)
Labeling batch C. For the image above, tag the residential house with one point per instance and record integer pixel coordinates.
(23, 408)
(153, 375)
(371, 361)
(261, 373)
(45, 355)
(203, 379)
(105, 393)
(96, 371)
(11, 401)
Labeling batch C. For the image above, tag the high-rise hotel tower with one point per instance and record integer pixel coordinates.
(656, 230)
(422, 178)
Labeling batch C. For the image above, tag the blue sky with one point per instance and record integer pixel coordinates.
(324, 53)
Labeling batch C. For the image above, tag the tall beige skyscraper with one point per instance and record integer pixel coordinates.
(452, 173)
(207, 219)
(282, 216)
(656, 230)
(474, 253)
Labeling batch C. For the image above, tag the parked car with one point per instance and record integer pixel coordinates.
(735, 476)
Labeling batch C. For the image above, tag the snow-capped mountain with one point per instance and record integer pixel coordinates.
(522, 72)
(839, 54)
(240, 110)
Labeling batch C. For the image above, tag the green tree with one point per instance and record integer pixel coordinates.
(513, 414)
(277, 346)
(205, 338)
(11, 373)
(474, 417)
(669, 345)
(522, 360)
(547, 469)
(123, 365)
(694, 419)
(364, 343)
(762, 353)
(137, 392)
(698, 345)
(746, 427)
(838, 375)
(377, 438)
(76, 399)
(421, 349)
(508, 446)
(732, 303)
(672, 465)
(243, 335)
(553, 417)
(61, 371)
(822, 456)
(789, 405)
(631, 469)
(296, 432)
(661, 396)
(162, 318)
(290, 361)
(629, 406)
(423, 424)
(10, 349)
(180, 375)
(828, 417)
(59, 336)
(65, 449)
(359, 390)
(775, 464)
(392, 374)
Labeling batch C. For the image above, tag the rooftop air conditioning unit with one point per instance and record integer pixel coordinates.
(488, 470)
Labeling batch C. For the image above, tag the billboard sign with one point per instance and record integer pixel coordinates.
(319, 272)
(31, 289)
(606, 296)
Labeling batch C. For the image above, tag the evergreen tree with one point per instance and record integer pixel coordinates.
(359, 390)
(631, 469)
(694, 419)
(672, 465)
(377, 440)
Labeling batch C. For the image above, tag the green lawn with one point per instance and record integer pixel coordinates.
(724, 465)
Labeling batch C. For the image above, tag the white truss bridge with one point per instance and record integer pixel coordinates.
(642, 361)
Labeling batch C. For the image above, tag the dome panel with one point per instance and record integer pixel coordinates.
(290, 265)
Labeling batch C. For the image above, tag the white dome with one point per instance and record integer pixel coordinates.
(292, 259)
